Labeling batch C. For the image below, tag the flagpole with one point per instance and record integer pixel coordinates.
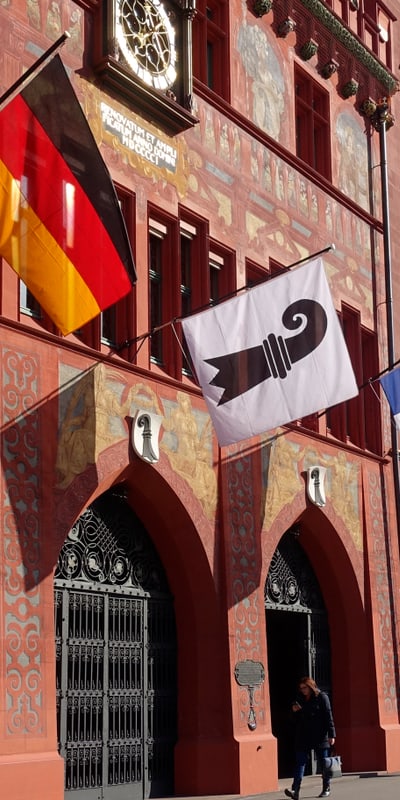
(143, 336)
(30, 73)
(382, 112)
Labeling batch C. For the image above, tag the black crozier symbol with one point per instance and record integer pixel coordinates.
(144, 421)
(241, 371)
(315, 477)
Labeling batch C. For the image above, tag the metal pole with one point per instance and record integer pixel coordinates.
(30, 73)
(143, 336)
(382, 118)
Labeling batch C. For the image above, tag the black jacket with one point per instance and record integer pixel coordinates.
(314, 722)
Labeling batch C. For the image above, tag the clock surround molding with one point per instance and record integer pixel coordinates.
(131, 58)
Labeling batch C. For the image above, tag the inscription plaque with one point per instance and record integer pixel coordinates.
(250, 674)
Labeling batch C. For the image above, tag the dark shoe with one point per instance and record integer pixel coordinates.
(325, 793)
(293, 794)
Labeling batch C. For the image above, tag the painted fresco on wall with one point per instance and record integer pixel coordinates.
(285, 463)
(51, 19)
(187, 440)
(280, 213)
(253, 199)
(268, 85)
(93, 410)
(342, 483)
(91, 418)
(353, 159)
(284, 479)
(22, 512)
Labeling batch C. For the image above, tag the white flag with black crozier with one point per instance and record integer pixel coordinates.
(271, 355)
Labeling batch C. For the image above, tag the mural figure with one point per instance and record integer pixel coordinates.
(53, 21)
(344, 494)
(93, 421)
(33, 13)
(283, 480)
(268, 87)
(353, 159)
(189, 452)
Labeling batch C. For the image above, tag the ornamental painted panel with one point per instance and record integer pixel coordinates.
(353, 178)
(268, 84)
(244, 565)
(93, 408)
(23, 652)
(383, 610)
(281, 212)
(284, 461)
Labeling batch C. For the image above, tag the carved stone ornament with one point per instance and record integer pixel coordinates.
(145, 435)
(286, 26)
(308, 49)
(262, 7)
(315, 485)
(368, 107)
(350, 88)
(329, 68)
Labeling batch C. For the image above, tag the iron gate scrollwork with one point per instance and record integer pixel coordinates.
(297, 636)
(115, 657)
(291, 585)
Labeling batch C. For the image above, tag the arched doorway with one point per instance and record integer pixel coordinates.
(297, 636)
(116, 658)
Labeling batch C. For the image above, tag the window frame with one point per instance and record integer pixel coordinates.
(162, 229)
(358, 420)
(312, 123)
(211, 46)
(122, 314)
(185, 287)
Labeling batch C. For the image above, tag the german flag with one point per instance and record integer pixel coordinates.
(61, 226)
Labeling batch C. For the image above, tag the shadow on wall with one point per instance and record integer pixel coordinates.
(35, 470)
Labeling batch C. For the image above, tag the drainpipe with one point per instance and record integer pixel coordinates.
(383, 117)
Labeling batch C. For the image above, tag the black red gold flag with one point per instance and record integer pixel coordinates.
(61, 226)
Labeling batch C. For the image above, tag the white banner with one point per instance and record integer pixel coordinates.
(271, 355)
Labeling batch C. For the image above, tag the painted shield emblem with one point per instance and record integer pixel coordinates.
(145, 435)
(316, 485)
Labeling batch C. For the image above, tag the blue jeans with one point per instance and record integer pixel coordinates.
(300, 765)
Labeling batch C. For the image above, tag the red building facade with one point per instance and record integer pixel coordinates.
(263, 149)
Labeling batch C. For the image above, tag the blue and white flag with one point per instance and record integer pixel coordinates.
(391, 386)
(271, 355)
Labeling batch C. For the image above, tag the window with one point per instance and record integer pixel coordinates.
(255, 274)
(312, 123)
(357, 420)
(188, 273)
(371, 21)
(158, 269)
(377, 23)
(210, 45)
(221, 273)
(384, 51)
(109, 325)
(28, 303)
(117, 321)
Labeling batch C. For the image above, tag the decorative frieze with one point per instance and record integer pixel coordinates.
(320, 32)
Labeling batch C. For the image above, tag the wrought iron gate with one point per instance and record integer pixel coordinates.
(116, 658)
(298, 638)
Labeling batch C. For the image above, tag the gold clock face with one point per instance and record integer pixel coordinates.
(147, 40)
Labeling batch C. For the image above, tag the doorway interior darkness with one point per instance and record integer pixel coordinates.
(297, 638)
(115, 658)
